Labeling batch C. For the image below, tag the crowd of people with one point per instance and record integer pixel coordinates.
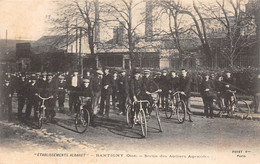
(122, 86)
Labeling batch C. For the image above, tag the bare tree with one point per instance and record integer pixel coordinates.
(238, 27)
(123, 13)
(78, 18)
(174, 10)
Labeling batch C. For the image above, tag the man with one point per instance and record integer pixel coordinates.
(50, 90)
(207, 88)
(7, 90)
(256, 91)
(85, 93)
(115, 90)
(185, 88)
(173, 82)
(123, 90)
(148, 86)
(95, 88)
(136, 87)
(74, 84)
(164, 86)
(106, 91)
(62, 88)
(32, 89)
(21, 95)
(228, 85)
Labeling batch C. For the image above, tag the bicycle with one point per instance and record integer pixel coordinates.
(176, 106)
(42, 111)
(235, 105)
(82, 119)
(141, 116)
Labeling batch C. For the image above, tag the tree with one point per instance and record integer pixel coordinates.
(174, 10)
(78, 15)
(122, 12)
(238, 27)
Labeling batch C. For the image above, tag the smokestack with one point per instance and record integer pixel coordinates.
(149, 20)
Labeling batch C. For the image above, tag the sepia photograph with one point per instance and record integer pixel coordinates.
(129, 81)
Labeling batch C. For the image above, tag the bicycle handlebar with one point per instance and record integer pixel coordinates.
(231, 91)
(179, 92)
(159, 90)
(43, 97)
(141, 101)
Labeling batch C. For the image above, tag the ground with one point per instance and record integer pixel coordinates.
(204, 138)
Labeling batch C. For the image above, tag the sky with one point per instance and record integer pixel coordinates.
(23, 19)
(26, 19)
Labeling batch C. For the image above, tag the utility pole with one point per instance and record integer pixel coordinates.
(6, 38)
(80, 57)
(67, 36)
(76, 36)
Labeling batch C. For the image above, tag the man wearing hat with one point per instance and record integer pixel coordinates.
(95, 88)
(106, 91)
(122, 91)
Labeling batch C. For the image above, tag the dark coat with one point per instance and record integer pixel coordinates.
(185, 85)
(207, 85)
(173, 83)
(149, 85)
(164, 83)
(123, 87)
(107, 80)
(135, 87)
(95, 85)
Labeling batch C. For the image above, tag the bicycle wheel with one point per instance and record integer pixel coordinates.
(40, 120)
(243, 108)
(158, 118)
(181, 111)
(82, 121)
(143, 123)
(129, 116)
(169, 109)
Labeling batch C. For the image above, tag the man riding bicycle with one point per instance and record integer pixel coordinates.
(148, 86)
(48, 89)
(229, 86)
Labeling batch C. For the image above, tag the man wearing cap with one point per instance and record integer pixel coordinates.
(62, 87)
(32, 101)
(106, 91)
(115, 90)
(21, 94)
(74, 84)
(185, 88)
(148, 86)
(7, 90)
(95, 88)
(136, 87)
(206, 90)
(229, 85)
(164, 86)
(122, 91)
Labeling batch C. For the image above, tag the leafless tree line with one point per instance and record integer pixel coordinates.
(88, 17)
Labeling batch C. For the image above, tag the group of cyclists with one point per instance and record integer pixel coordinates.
(102, 86)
